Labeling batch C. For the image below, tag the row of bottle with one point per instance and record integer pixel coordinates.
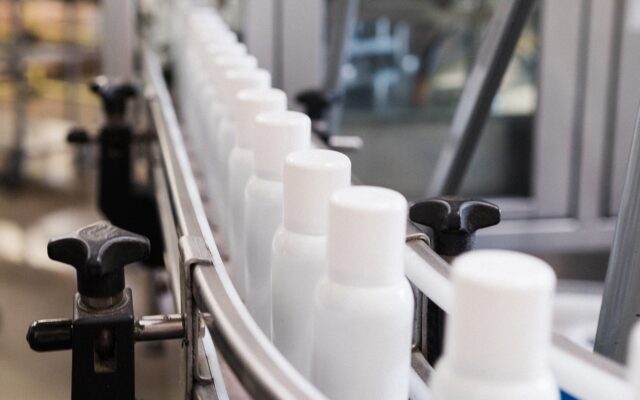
(275, 215)
(320, 264)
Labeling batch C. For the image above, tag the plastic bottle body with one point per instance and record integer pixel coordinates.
(298, 263)
(498, 335)
(362, 342)
(224, 145)
(447, 385)
(240, 170)
(263, 213)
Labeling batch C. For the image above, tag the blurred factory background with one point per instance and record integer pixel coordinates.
(553, 153)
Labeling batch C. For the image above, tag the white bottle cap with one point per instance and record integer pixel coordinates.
(236, 80)
(366, 236)
(278, 133)
(310, 177)
(500, 324)
(223, 63)
(248, 104)
(233, 49)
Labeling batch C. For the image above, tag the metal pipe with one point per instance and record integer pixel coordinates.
(159, 327)
(621, 297)
(475, 103)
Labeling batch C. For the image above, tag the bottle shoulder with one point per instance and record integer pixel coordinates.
(263, 188)
(295, 247)
(365, 300)
(285, 236)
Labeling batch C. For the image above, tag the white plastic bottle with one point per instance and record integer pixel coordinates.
(299, 247)
(498, 335)
(363, 311)
(234, 82)
(221, 65)
(276, 135)
(248, 104)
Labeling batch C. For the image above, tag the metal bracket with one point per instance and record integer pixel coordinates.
(193, 251)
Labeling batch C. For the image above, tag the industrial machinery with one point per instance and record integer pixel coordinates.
(173, 217)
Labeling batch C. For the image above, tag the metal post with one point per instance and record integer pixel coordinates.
(300, 44)
(118, 39)
(474, 106)
(621, 299)
(344, 15)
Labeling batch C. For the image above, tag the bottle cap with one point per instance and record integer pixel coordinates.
(278, 133)
(217, 49)
(366, 236)
(223, 63)
(208, 27)
(310, 177)
(248, 104)
(236, 80)
(500, 323)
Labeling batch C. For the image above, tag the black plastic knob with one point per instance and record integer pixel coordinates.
(78, 136)
(316, 103)
(114, 95)
(454, 221)
(99, 253)
(50, 335)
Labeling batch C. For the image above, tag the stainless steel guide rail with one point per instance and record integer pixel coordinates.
(202, 287)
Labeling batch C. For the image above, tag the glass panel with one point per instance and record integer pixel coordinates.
(409, 63)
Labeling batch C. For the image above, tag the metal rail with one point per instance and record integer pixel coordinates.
(621, 297)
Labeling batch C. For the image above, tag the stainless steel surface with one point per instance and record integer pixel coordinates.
(159, 327)
(217, 383)
(168, 226)
(483, 82)
(262, 370)
(621, 297)
(343, 16)
(626, 92)
(166, 125)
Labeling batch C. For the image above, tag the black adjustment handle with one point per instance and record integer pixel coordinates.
(454, 221)
(114, 95)
(50, 335)
(316, 104)
(99, 253)
(78, 136)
